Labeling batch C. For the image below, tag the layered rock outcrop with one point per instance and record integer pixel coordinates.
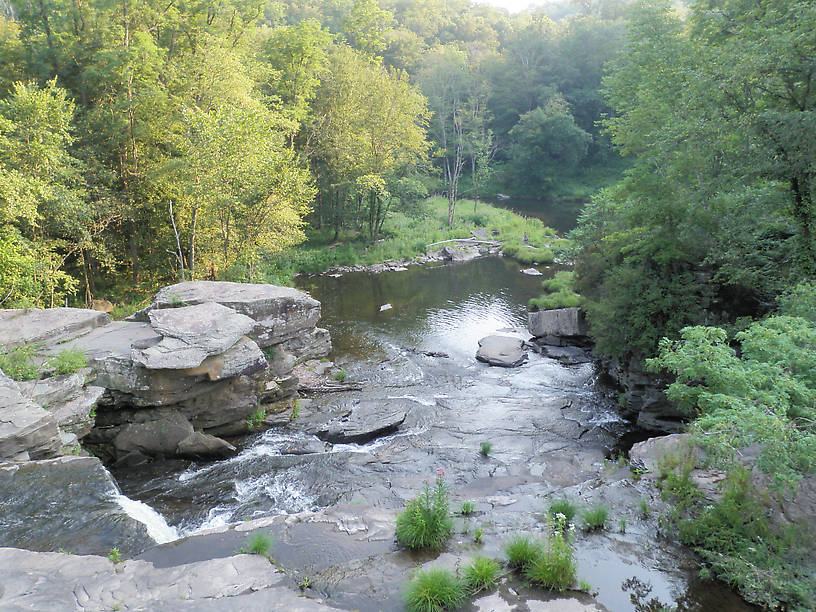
(193, 365)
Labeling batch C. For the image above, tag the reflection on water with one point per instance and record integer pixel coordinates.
(560, 215)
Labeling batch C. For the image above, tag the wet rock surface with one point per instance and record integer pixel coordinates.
(68, 503)
(502, 351)
(364, 421)
(44, 581)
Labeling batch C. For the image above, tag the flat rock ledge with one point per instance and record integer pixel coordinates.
(502, 351)
(56, 581)
(559, 327)
(365, 421)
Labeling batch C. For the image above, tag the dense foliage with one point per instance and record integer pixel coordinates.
(143, 142)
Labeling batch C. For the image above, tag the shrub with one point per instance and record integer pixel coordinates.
(522, 551)
(559, 293)
(340, 376)
(17, 363)
(68, 361)
(482, 574)
(563, 506)
(434, 590)
(485, 448)
(259, 544)
(554, 568)
(467, 508)
(425, 524)
(594, 518)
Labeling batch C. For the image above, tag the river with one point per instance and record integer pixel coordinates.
(552, 428)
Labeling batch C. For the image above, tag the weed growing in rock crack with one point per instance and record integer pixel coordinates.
(114, 555)
(485, 448)
(434, 590)
(554, 568)
(467, 508)
(482, 574)
(563, 506)
(622, 525)
(259, 544)
(643, 506)
(295, 410)
(584, 586)
(174, 300)
(340, 376)
(68, 361)
(256, 419)
(522, 551)
(478, 535)
(425, 524)
(305, 583)
(594, 518)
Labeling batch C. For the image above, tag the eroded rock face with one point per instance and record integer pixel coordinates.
(27, 431)
(502, 351)
(68, 503)
(643, 398)
(559, 327)
(365, 421)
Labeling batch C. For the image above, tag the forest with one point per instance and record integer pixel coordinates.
(143, 142)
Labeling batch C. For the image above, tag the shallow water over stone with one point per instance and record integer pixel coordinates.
(551, 428)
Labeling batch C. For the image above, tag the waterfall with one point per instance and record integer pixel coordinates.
(157, 527)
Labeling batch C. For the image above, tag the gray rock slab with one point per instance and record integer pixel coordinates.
(280, 313)
(502, 351)
(366, 421)
(199, 444)
(49, 581)
(53, 390)
(67, 502)
(33, 325)
(74, 416)
(191, 334)
(159, 436)
(244, 358)
(560, 322)
(27, 431)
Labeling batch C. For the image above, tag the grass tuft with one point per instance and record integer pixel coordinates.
(522, 551)
(68, 361)
(434, 590)
(259, 544)
(482, 574)
(426, 524)
(563, 506)
(594, 518)
(485, 448)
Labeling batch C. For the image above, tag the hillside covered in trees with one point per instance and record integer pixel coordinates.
(146, 141)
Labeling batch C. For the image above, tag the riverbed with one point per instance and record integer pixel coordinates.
(552, 428)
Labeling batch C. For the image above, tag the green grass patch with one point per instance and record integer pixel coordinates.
(482, 574)
(18, 363)
(558, 293)
(259, 543)
(485, 448)
(340, 376)
(564, 506)
(434, 590)
(255, 420)
(594, 518)
(68, 361)
(522, 551)
(467, 508)
(426, 524)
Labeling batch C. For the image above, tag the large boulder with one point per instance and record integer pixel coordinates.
(280, 313)
(365, 421)
(560, 326)
(502, 351)
(27, 431)
(69, 503)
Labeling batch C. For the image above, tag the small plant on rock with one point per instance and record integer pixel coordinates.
(426, 524)
(485, 448)
(594, 518)
(522, 551)
(114, 555)
(482, 574)
(68, 361)
(295, 410)
(17, 363)
(478, 535)
(259, 544)
(563, 506)
(644, 508)
(256, 419)
(434, 590)
(467, 508)
(340, 376)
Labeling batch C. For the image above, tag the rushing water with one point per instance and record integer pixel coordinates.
(551, 427)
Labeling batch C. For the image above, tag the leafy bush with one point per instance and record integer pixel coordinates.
(522, 551)
(434, 590)
(558, 293)
(425, 524)
(17, 363)
(594, 518)
(563, 506)
(68, 361)
(482, 574)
